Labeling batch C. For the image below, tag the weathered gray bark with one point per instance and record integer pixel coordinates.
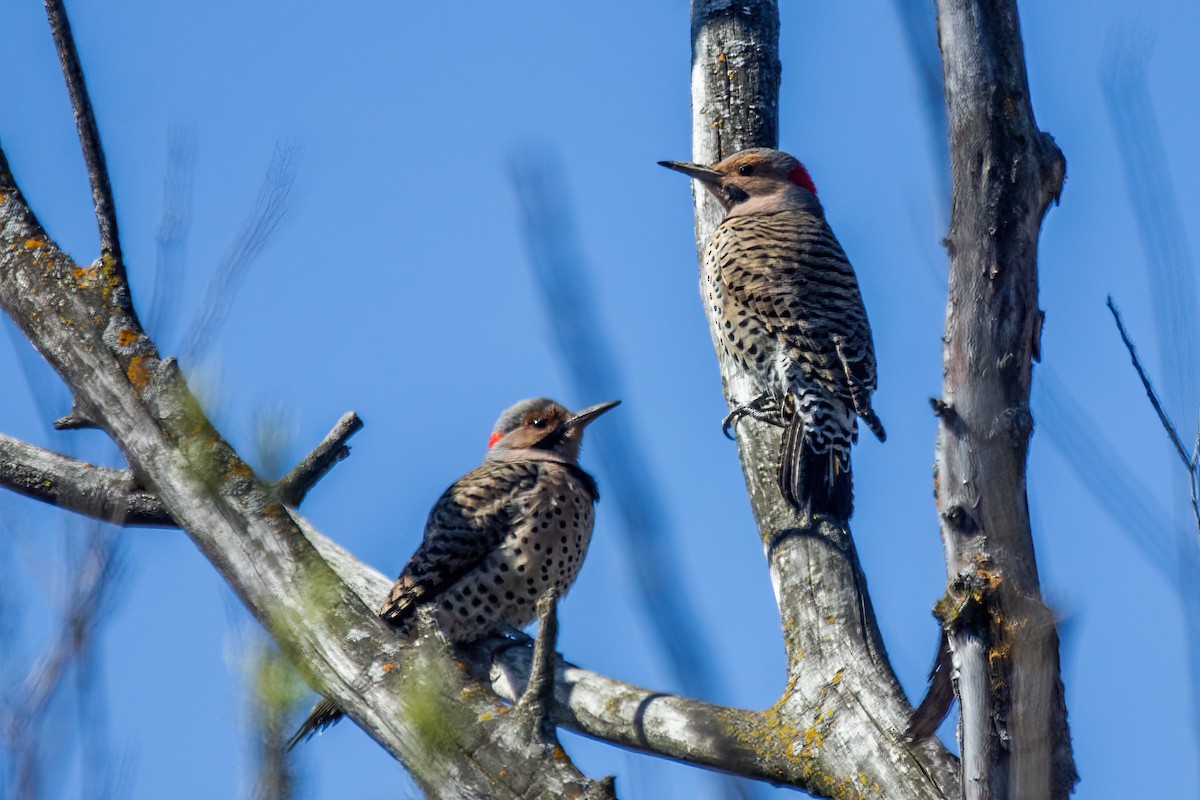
(842, 695)
(1013, 731)
(838, 729)
(447, 730)
(113, 495)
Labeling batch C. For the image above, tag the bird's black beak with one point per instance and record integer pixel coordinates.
(588, 415)
(570, 426)
(696, 171)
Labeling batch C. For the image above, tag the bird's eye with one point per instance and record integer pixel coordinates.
(539, 422)
(746, 169)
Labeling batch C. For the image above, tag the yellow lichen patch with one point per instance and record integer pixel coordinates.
(84, 276)
(837, 677)
(388, 667)
(502, 772)
(126, 337)
(137, 373)
(241, 468)
(485, 718)
(720, 57)
(33, 243)
(558, 753)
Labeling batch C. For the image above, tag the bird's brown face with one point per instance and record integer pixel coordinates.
(544, 425)
(753, 173)
(532, 426)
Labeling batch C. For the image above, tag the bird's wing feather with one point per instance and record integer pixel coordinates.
(465, 525)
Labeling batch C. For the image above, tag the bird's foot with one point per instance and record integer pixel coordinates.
(764, 408)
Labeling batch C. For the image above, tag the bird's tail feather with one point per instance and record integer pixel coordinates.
(811, 482)
(323, 714)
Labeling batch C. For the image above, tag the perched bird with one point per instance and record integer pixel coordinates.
(500, 536)
(786, 310)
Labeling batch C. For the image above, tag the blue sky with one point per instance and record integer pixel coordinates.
(399, 286)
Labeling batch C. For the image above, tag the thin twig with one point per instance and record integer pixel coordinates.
(89, 135)
(1150, 390)
(293, 487)
(534, 704)
(112, 495)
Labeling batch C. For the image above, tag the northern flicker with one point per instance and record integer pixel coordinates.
(784, 307)
(500, 536)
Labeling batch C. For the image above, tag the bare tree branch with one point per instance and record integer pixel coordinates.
(837, 730)
(1163, 417)
(836, 659)
(568, 298)
(294, 487)
(252, 539)
(1013, 733)
(82, 321)
(89, 135)
(103, 493)
(113, 495)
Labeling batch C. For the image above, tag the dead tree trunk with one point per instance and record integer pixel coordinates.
(838, 729)
(1006, 173)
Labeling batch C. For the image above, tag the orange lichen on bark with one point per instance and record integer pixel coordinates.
(137, 373)
(126, 337)
(84, 276)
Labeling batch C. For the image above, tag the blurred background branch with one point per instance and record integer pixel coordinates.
(568, 298)
(275, 199)
(569, 301)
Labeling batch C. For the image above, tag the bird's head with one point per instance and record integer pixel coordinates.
(758, 180)
(539, 428)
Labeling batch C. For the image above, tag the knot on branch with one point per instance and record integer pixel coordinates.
(1015, 423)
(961, 520)
(74, 421)
(1054, 169)
(968, 596)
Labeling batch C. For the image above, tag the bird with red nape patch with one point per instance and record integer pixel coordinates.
(500, 537)
(786, 312)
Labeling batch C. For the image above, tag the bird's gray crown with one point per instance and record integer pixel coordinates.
(782, 161)
(513, 416)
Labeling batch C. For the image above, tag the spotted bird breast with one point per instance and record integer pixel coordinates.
(543, 546)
